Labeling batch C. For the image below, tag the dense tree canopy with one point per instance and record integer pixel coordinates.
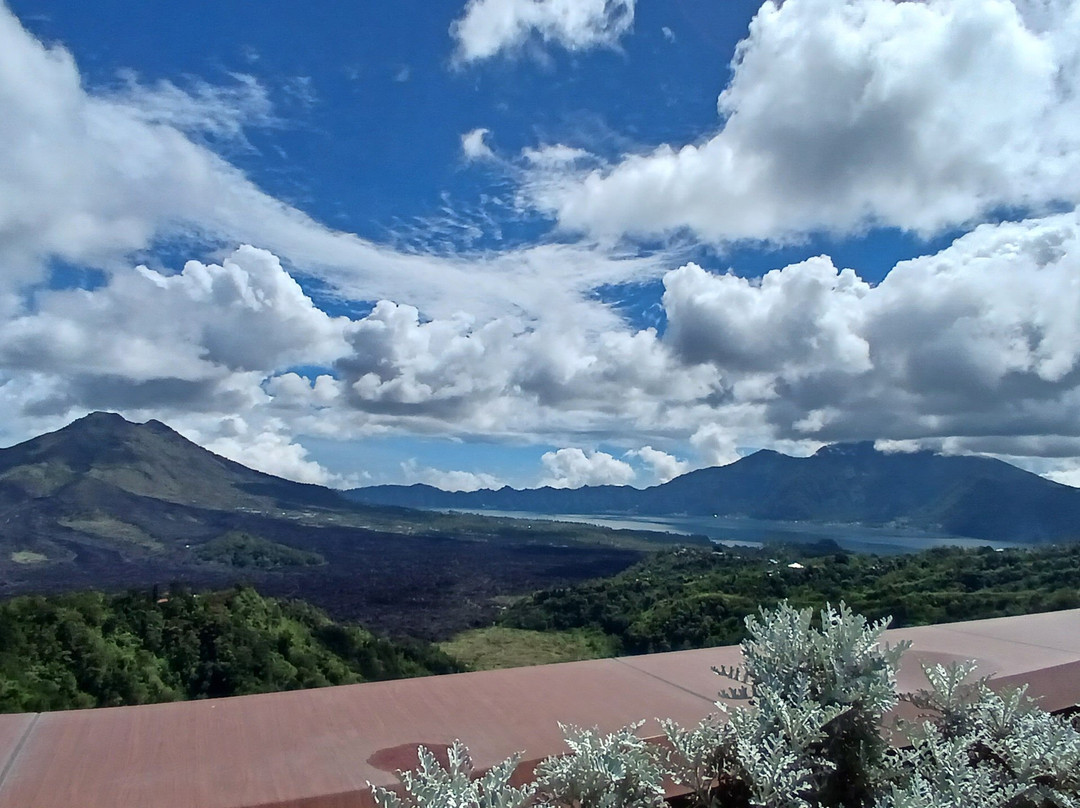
(690, 598)
(90, 649)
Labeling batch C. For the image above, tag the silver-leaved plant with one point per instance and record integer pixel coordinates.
(979, 747)
(618, 770)
(455, 786)
(811, 735)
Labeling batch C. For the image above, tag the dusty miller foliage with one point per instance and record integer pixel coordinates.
(810, 735)
(980, 748)
(701, 757)
(456, 786)
(619, 770)
(819, 694)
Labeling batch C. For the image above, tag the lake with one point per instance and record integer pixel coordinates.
(734, 530)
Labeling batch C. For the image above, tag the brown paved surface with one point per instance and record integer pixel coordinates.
(13, 729)
(1056, 688)
(318, 748)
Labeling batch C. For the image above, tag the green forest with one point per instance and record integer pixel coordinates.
(91, 649)
(691, 598)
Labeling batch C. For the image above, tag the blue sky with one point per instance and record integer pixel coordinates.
(562, 242)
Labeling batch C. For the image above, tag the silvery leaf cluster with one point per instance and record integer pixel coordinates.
(617, 770)
(455, 786)
(810, 734)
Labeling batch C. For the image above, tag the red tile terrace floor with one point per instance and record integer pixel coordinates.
(319, 748)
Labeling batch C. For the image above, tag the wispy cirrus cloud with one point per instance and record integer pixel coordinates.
(131, 176)
(221, 111)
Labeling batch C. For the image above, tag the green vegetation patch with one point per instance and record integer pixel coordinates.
(689, 598)
(39, 479)
(111, 529)
(28, 557)
(502, 647)
(89, 649)
(243, 550)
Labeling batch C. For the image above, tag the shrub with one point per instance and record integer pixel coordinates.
(619, 770)
(456, 786)
(703, 760)
(811, 735)
(978, 747)
(820, 695)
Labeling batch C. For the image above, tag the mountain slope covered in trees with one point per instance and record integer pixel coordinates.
(89, 649)
(692, 598)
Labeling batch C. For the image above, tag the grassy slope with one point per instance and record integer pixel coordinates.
(502, 647)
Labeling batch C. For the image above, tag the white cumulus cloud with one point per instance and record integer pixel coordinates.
(574, 467)
(452, 480)
(844, 115)
(979, 343)
(663, 466)
(803, 317)
(490, 27)
(274, 453)
(474, 145)
(245, 314)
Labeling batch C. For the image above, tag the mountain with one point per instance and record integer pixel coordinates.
(108, 504)
(976, 497)
(103, 457)
(104, 496)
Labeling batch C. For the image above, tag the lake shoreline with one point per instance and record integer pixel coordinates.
(744, 531)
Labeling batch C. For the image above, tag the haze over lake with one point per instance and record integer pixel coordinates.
(734, 530)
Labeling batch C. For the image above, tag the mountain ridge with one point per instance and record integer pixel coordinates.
(151, 460)
(968, 496)
(103, 462)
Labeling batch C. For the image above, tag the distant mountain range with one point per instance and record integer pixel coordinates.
(975, 497)
(107, 497)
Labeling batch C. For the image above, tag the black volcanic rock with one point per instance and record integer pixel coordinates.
(844, 483)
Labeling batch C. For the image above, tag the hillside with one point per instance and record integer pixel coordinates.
(976, 497)
(103, 457)
(690, 598)
(94, 650)
(103, 489)
(108, 504)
